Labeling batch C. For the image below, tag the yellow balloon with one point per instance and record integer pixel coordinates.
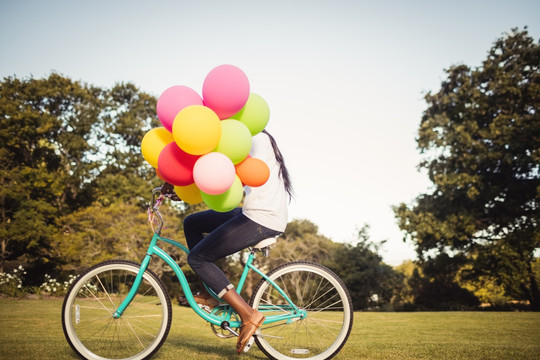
(190, 193)
(153, 142)
(196, 129)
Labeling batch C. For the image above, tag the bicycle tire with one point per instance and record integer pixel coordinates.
(87, 313)
(319, 292)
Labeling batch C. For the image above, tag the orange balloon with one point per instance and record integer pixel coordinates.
(253, 172)
(159, 175)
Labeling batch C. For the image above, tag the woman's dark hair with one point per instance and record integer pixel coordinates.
(283, 172)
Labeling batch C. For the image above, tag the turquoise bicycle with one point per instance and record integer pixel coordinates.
(121, 310)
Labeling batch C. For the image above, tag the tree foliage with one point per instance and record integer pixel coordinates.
(372, 283)
(437, 286)
(64, 146)
(481, 139)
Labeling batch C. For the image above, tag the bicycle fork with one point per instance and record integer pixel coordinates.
(138, 279)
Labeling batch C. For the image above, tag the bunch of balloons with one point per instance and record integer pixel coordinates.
(203, 146)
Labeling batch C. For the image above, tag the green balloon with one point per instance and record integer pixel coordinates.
(226, 201)
(255, 114)
(235, 140)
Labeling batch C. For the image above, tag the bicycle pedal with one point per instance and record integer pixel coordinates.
(225, 326)
(249, 344)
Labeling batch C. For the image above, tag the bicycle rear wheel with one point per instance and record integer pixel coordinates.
(318, 292)
(87, 313)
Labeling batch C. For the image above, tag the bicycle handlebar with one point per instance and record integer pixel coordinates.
(155, 191)
(153, 209)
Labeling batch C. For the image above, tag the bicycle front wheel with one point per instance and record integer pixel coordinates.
(87, 314)
(320, 295)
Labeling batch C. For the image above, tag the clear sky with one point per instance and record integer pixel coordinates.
(344, 80)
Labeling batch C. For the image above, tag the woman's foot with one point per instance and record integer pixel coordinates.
(248, 329)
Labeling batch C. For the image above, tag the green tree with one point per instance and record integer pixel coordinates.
(42, 138)
(300, 241)
(481, 138)
(437, 287)
(120, 230)
(371, 282)
(404, 298)
(63, 146)
(97, 233)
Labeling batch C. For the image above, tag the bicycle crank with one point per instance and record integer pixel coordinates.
(226, 326)
(224, 331)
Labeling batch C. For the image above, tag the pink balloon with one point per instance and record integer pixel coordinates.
(225, 90)
(176, 166)
(174, 99)
(214, 173)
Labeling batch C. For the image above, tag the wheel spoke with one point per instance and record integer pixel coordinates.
(88, 321)
(326, 304)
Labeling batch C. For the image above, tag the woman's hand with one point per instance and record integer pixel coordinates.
(168, 190)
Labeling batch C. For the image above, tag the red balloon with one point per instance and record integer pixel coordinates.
(176, 165)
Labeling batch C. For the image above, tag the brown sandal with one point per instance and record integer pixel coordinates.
(248, 329)
(207, 303)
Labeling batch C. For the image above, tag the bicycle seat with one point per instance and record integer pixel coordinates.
(265, 243)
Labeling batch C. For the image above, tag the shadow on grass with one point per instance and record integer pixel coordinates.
(207, 349)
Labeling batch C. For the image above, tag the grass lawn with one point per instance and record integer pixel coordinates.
(31, 329)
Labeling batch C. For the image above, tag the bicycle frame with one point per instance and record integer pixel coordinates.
(292, 312)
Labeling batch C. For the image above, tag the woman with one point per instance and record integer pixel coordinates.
(263, 215)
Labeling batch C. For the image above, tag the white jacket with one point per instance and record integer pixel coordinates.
(267, 205)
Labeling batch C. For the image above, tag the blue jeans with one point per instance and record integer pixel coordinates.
(226, 233)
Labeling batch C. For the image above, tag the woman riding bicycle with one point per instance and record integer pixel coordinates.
(212, 235)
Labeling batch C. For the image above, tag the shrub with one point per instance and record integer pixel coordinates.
(11, 284)
(53, 287)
